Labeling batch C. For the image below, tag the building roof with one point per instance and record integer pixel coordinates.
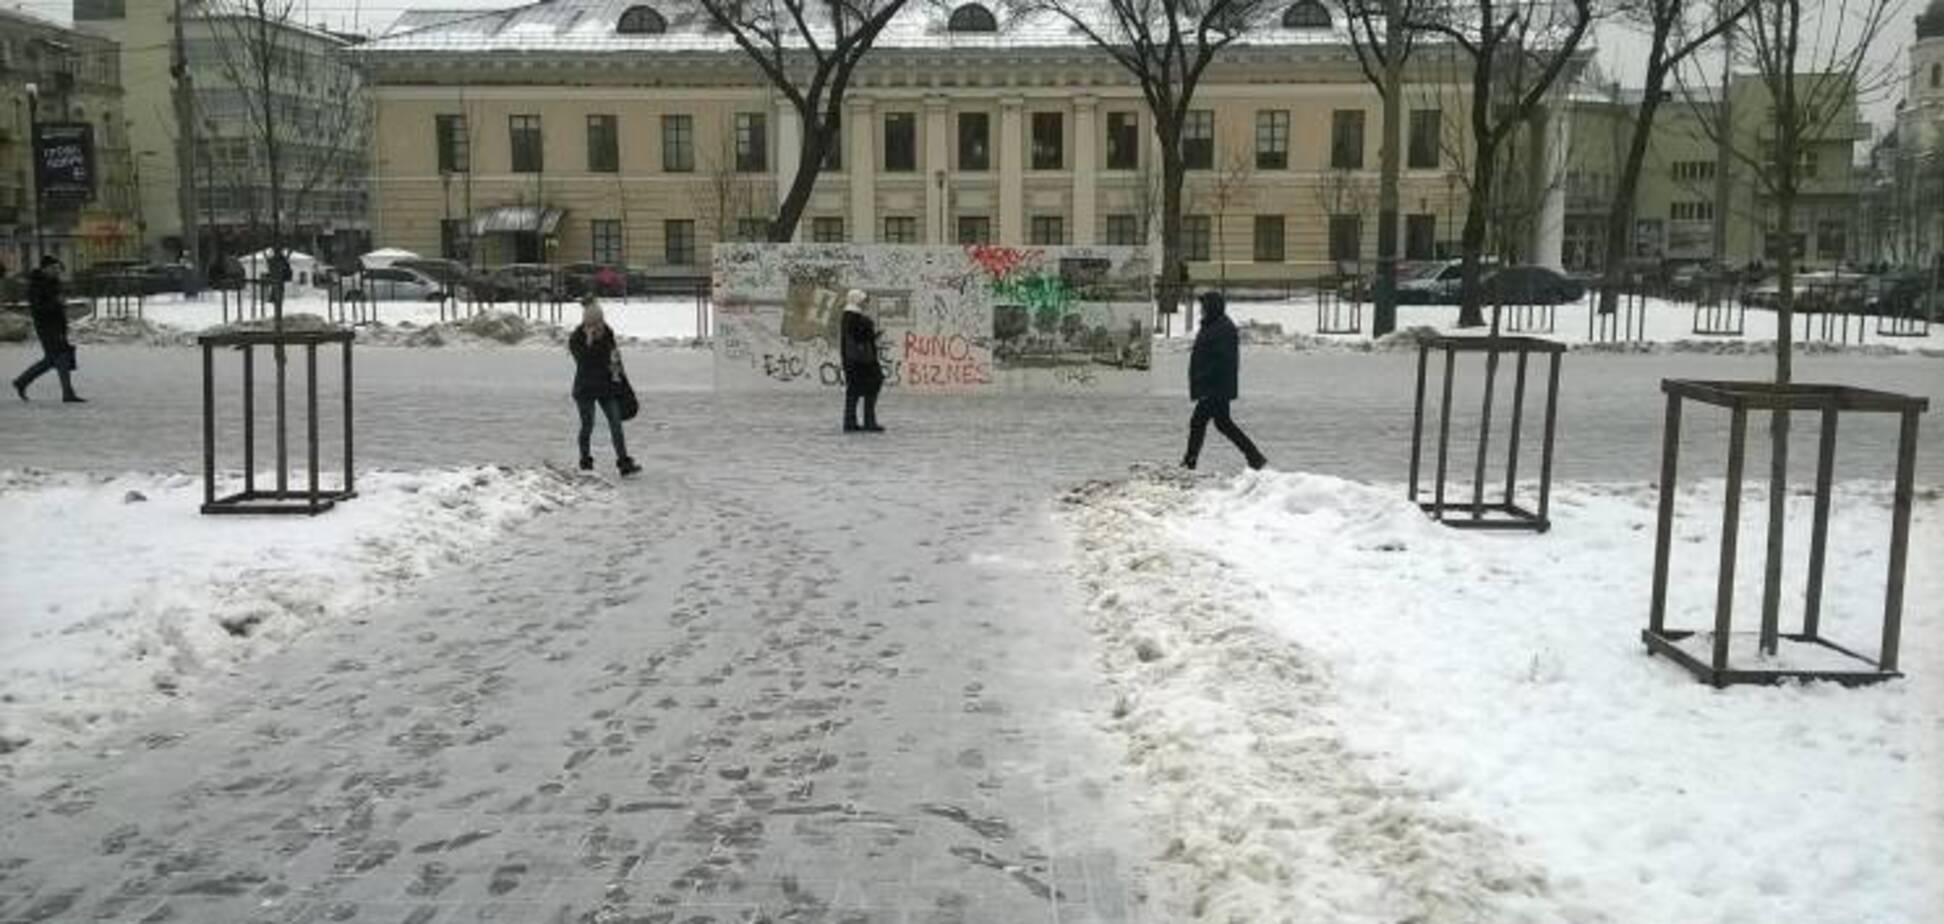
(588, 26)
(1930, 23)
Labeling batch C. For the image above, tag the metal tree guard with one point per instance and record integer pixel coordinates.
(313, 499)
(1505, 513)
(1740, 398)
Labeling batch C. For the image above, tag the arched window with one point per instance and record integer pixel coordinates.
(1306, 14)
(972, 18)
(641, 20)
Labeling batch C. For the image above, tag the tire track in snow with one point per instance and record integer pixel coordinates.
(1266, 812)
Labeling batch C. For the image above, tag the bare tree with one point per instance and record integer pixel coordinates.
(1381, 36)
(1812, 83)
(1228, 188)
(729, 194)
(809, 50)
(1340, 191)
(1166, 46)
(1517, 51)
(1675, 31)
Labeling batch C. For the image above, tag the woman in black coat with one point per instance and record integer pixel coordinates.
(49, 310)
(863, 376)
(1213, 369)
(598, 381)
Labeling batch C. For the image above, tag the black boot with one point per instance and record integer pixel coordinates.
(587, 463)
(626, 465)
(73, 399)
(20, 388)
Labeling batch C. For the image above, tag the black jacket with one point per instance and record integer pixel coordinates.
(49, 310)
(1216, 360)
(858, 342)
(595, 375)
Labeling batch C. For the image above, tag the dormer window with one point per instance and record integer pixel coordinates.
(1307, 14)
(641, 20)
(972, 17)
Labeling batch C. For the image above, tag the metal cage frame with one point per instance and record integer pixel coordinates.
(313, 499)
(1506, 513)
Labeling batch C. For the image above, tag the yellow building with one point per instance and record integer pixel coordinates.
(618, 132)
(73, 78)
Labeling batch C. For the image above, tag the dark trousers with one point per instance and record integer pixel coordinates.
(865, 389)
(55, 359)
(611, 407)
(1216, 410)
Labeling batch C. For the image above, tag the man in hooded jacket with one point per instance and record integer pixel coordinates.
(49, 311)
(1213, 369)
(863, 376)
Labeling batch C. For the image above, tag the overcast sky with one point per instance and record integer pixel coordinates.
(1621, 55)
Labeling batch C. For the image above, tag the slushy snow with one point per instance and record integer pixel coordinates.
(1348, 713)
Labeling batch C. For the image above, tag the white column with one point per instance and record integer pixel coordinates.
(1549, 132)
(937, 165)
(1086, 170)
(860, 122)
(1012, 172)
(789, 152)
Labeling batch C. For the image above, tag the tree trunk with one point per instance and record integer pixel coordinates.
(1620, 217)
(1389, 168)
(810, 160)
(1779, 421)
(1174, 173)
(1472, 243)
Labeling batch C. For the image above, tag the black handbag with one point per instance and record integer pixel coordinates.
(630, 405)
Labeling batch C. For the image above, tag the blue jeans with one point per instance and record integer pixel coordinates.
(611, 407)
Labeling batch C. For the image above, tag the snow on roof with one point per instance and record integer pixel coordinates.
(588, 26)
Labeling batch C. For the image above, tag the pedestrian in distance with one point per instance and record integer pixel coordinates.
(49, 310)
(863, 376)
(599, 381)
(1213, 370)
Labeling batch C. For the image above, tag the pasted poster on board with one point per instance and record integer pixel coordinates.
(64, 159)
(971, 318)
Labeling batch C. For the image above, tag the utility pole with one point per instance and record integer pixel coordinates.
(1724, 156)
(185, 107)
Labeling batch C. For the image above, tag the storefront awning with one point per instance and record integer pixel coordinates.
(517, 219)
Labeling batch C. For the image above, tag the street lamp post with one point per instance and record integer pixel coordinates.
(33, 168)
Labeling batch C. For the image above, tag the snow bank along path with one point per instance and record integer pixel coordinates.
(1347, 711)
(120, 596)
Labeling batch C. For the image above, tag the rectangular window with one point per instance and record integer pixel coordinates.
(752, 229)
(1426, 124)
(1197, 232)
(1346, 238)
(1697, 171)
(1691, 211)
(900, 142)
(1123, 231)
(1420, 237)
(678, 143)
(827, 229)
(1832, 240)
(974, 142)
(606, 235)
(1047, 230)
(1123, 141)
(752, 142)
(974, 229)
(1272, 139)
(455, 146)
(603, 144)
(1347, 139)
(900, 229)
(455, 239)
(1198, 139)
(1268, 238)
(678, 248)
(525, 135)
(1049, 141)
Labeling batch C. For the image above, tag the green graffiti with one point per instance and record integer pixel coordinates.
(1042, 293)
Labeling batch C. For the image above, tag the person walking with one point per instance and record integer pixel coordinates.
(1213, 369)
(863, 376)
(598, 380)
(49, 311)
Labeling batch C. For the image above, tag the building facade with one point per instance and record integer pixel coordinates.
(1679, 207)
(317, 100)
(74, 78)
(618, 132)
(1906, 208)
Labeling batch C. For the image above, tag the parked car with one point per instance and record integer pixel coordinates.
(603, 279)
(103, 277)
(1531, 285)
(1814, 292)
(451, 275)
(523, 281)
(393, 284)
(1437, 283)
(1896, 293)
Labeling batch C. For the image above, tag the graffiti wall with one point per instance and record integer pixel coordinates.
(973, 318)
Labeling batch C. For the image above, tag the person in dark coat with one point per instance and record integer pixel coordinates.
(863, 376)
(1213, 368)
(49, 311)
(597, 381)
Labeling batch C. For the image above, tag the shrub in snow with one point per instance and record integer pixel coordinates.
(504, 327)
(15, 328)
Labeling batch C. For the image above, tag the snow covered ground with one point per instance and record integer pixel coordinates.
(1347, 713)
(119, 596)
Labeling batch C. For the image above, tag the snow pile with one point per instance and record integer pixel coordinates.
(1315, 647)
(119, 593)
(15, 327)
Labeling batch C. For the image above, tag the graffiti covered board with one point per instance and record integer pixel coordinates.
(972, 318)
